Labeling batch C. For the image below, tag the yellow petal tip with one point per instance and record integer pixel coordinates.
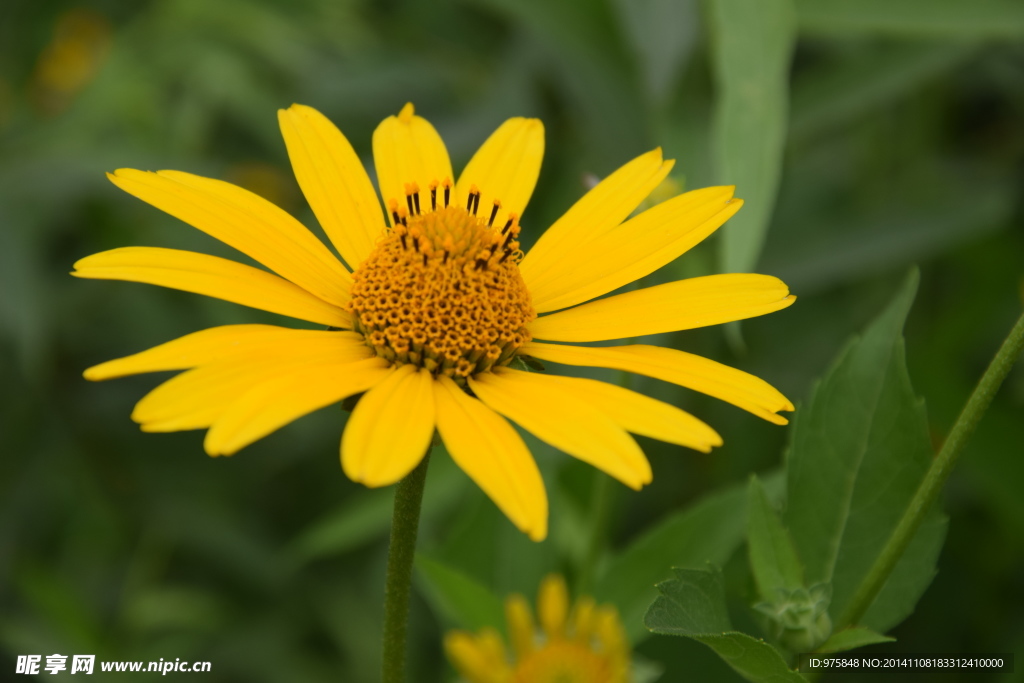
(408, 111)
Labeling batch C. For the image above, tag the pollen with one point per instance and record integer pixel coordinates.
(442, 288)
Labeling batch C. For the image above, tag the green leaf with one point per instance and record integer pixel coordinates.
(709, 531)
(367, 515)
(462, 600)
(693, 605)
(661, 33)
(860, 448)
(844, 90)
(753, 41)
(913, 18)
(773, 556)
(852, 638)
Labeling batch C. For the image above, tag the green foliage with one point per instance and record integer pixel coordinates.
(859, 450)
(463, 601)
(852, 638)
(773, 557)
(693, 605)
(914, 18)
(753, 42)
(709, 531)
(891, 135)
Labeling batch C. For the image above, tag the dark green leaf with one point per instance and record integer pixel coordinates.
(661, 33)
(938, 18)
(693, 605)
(835, 93)
(859, 450)
(752, 41)
(709, 531)
(773, 557)
(462, 600)
(851, 638)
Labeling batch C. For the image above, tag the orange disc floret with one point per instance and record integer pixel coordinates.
(442, 290)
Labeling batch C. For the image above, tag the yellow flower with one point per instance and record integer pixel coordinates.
(584, 644)
(433, 306)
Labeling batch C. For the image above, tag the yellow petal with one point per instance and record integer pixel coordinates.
(246, 222)
(739, 388)
(520, 625)
(682, 305)
(271, 405)
(553, 606)
(334, 182)
(596, 213)
(582, 619)
(636, 248)
(494, 456)
(505, 168)
(407, 149)
(216, 344)
(198, 397)
(473, 658)
(644, 415)
(390, 429)
(611, 634)
(212, 276)
(565, 420)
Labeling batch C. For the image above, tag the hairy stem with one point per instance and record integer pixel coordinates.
(405, 523)
(935, 477)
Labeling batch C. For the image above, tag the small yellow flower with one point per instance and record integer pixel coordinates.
(584, 644)
(433, 302)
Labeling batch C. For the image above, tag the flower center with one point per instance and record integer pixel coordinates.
(563, 661)
(442, 289)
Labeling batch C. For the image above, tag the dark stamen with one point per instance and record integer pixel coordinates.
(508, 252)
(404, 245)
(476, 203)
(424, 259)
(445, 259)
(408, 200)
(416, 201)
(433, 199)
(494, 212)
(508, 225)
(394, 214)
(416, 243)
(447, 194)
(508, 238)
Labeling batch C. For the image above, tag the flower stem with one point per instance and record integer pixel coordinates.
(935, 477)
(404, 524)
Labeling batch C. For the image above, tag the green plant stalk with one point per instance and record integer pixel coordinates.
(602, 495)
(405, 523)
(935, 477)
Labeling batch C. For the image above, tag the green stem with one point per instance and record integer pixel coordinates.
(600, 512)
(405, 523)
(935, 477)
(602, 500)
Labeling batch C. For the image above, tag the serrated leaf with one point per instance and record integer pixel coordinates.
(773, 557)
(851, 638)
(693, 605)
(709, 531)
(752, 45)
(913, 18)
(860, 448)
(459, 598)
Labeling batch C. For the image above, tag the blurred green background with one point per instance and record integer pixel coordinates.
(904, 144)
